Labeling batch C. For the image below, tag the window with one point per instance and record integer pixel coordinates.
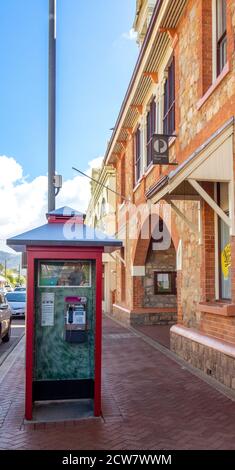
(165, 283)
(151, 129)
(16, 297)
(103, 208)
(138, 169)
(64, 274)
(221, 34)
(169, 101)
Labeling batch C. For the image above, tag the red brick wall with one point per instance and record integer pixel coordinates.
(205, 46)
(208, 249)
(219, 327)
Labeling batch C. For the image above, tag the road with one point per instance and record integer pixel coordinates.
(18, 329)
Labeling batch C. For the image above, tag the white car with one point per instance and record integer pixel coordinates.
(5, 319)
(17, 302)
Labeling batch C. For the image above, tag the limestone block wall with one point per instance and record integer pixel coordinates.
(189, 288)
(214, 363)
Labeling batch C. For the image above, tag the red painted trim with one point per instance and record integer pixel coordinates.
(98, 337)
(29, 338)
(58, 252)
(64, 220)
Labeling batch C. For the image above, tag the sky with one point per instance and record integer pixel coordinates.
(96, 54)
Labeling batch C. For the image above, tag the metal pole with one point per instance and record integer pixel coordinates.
(52, 106)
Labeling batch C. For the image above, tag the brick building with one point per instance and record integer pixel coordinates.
(101, 215)
(183, 86)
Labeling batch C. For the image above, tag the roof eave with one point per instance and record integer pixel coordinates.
(134, 75)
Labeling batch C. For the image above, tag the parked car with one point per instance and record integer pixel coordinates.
(17, 302)
(8, 288)
(20, 289)
(5, 319)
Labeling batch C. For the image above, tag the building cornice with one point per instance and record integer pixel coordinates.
(106, 172)
(163, 17)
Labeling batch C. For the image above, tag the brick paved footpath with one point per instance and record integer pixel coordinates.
(149, 402)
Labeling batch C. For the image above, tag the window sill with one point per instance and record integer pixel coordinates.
(122, 205)
(221, 308)
(213, 87)
(138, 184)
(148, 169)
(172, 141)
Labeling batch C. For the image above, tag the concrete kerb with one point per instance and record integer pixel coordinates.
(12, 356)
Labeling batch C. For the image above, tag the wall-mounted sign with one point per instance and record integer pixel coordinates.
(160, 149)
(47, 309)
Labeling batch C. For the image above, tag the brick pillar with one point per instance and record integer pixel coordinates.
(230, 28)
(208, 249)
(138, 292)
(206, 46)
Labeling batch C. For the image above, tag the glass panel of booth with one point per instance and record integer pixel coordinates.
(66, 349)
(57, 274)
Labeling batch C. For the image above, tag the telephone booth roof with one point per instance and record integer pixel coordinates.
(65, 227)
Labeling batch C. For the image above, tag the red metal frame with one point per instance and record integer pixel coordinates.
(59, 253)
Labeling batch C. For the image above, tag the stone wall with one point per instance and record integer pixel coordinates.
(211, 361)
(158, 261)
(167, 316)
(189, 288)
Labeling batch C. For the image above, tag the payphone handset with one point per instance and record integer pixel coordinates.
(76, 319)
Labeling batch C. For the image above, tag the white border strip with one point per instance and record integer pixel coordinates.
(221, 346)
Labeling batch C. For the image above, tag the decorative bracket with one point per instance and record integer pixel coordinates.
(117, 155)
(129, 130)
(123, 143)
(138, 108)
(172, 33)
(152, 75)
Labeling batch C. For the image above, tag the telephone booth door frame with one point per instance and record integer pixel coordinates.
(60, 253)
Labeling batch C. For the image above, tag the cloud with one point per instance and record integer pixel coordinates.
(131, 35)
(24, 203)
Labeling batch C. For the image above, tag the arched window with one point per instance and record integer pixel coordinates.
(103, 208)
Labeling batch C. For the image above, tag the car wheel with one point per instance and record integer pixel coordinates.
(7, 337)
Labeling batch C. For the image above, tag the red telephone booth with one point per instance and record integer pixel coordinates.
(64, 313)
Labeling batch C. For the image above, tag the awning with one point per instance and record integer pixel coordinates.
(211, 162)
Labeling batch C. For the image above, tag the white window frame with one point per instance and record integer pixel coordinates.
(138, 125)
(214, 41)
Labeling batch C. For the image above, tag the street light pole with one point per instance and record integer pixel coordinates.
(52, 106)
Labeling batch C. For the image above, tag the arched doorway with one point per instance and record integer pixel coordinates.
(155, 289)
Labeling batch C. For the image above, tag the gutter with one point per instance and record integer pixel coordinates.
(134, 75)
